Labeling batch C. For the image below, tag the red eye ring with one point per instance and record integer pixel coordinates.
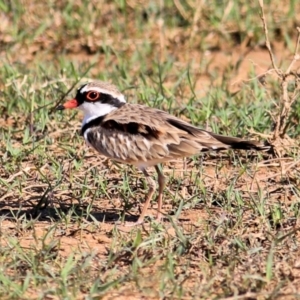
(92, 96)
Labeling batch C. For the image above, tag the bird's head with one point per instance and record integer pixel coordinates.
(95, 99)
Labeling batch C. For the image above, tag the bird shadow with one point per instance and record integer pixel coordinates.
(54, 212)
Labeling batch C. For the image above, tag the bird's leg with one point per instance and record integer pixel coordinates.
(161, 186)
(152, 186)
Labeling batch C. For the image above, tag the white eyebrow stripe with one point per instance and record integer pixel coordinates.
(118, 96)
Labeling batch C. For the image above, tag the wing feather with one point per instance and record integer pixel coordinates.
(135, 133)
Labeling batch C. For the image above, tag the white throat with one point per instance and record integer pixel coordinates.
(94, 110)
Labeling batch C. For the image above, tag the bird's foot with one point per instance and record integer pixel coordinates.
(159, 217)
(140, 221)
(132, 224)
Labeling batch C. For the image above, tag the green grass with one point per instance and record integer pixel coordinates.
(231, 226)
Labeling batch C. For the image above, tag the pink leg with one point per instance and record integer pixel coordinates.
(161, 186)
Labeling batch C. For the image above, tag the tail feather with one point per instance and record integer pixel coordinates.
(237, 143)
(210, 141)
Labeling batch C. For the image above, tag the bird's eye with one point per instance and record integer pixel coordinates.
(92, 96)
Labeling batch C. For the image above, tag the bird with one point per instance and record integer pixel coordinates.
(143, 136)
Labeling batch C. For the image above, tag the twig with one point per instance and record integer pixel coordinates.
(268, 45)
(196, 18)
(283, 172)
(245, 296)
(254, 78)
(181, 10)
(281, 123)
(263, 135)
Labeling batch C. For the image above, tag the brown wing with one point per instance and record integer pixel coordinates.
(138, 133)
